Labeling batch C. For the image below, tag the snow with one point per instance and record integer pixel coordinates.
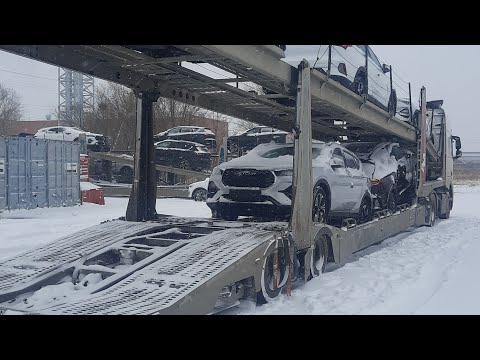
(84, 186)
(255, 159)
(21, 230)
(421, 271)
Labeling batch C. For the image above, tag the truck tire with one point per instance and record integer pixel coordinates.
(319, 258)
(431, 214)
(446, 215)
(268, 291)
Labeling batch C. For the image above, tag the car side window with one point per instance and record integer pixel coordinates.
(253, 131)
(337, 157)
(266, 130)
(174, 131)
(374, 58)
(164, 145)
(350, 161)
(53, 130)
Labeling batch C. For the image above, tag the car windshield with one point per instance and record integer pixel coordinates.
(288, 151)
(275, 153)
(361, 148)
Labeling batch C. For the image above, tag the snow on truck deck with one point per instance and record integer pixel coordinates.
(421, 271)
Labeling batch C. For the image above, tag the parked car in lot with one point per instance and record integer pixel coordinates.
(260, 184)
(391, 170)
(201, 135)
(183, 154)
(95, 142)
(198, 190)
(348, 68)
(249, 139)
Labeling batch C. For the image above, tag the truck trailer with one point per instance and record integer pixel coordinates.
(148, 263)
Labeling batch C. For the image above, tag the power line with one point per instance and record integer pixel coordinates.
(34, 76)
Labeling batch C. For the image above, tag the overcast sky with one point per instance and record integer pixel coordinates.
(449, 72)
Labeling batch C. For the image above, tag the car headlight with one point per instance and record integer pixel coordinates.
(217, 171)
(284, 173)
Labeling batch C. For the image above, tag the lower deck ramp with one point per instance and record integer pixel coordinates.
(186, 265)
(29, 266)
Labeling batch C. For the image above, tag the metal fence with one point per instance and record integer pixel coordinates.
(38, 173)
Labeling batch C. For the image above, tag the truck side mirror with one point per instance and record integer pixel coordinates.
(458, 154)
(385, 68)
(458, 142)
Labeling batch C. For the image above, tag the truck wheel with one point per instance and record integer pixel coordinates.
(451, 198)
(446, 215)
(269, 290)
(318, 261)
(431, 214)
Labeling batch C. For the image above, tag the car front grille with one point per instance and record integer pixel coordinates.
(248, 178)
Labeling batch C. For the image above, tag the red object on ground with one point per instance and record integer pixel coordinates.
(94, 196)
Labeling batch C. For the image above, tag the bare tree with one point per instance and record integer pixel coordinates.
(114, 115)
(10, 108)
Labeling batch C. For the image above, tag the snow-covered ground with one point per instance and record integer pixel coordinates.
(423, 271)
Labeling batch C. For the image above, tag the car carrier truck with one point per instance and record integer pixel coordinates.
(148, 263)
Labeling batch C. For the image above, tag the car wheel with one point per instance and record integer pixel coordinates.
(184, 164)
(359, 84)
(200, 195)
(392, 201)
(234, 147)
(319, 206)
(365, 212)
(392, 103)
(126, 175)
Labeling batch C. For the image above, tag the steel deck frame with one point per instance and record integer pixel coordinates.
(336, 111)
